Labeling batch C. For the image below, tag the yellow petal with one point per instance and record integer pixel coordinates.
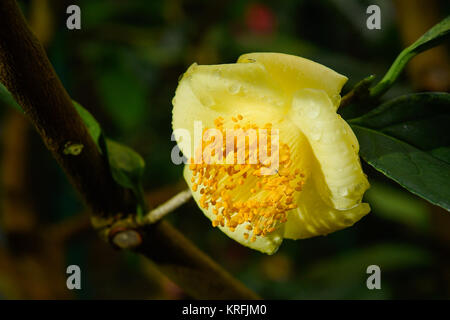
(220, 87)
(207, 92)
(344, 182)
(314, 217)
(293, 73)
(268, 244)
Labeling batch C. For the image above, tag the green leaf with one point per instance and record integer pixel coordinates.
(126, 165)
(408, 107)
(420, 120)
(127, 168)
(414, 169)
(7, 98)
(92, 125)
(431, 38)
(408, 139)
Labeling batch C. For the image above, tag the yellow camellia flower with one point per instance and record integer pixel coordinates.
(316, 187)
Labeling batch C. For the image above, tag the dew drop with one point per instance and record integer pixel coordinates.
(331, 138)
(207, 101)
(312, 111)
(279, 103)
(316, 134)
(71, 148)
(217, 73)
(234, 88)
(336, 99)
(343, 191)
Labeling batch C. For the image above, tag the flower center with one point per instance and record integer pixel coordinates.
(229, 163)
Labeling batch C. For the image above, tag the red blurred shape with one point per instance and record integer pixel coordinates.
(260, 18)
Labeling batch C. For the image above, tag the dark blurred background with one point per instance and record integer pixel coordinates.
(123, 66)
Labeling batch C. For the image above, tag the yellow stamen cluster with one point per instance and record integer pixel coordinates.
(222, 185)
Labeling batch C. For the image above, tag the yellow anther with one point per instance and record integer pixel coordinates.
(270, 197)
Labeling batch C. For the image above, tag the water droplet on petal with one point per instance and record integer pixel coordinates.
(312, 111)
(316, 134)
(234, 88)
(331, 138)
(343, 191)
(208, 101)
(217, 73)
(336, 99)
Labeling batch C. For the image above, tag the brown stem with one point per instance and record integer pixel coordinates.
(68, 228)
(33, 266)
(29, 76)
(187, 266)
